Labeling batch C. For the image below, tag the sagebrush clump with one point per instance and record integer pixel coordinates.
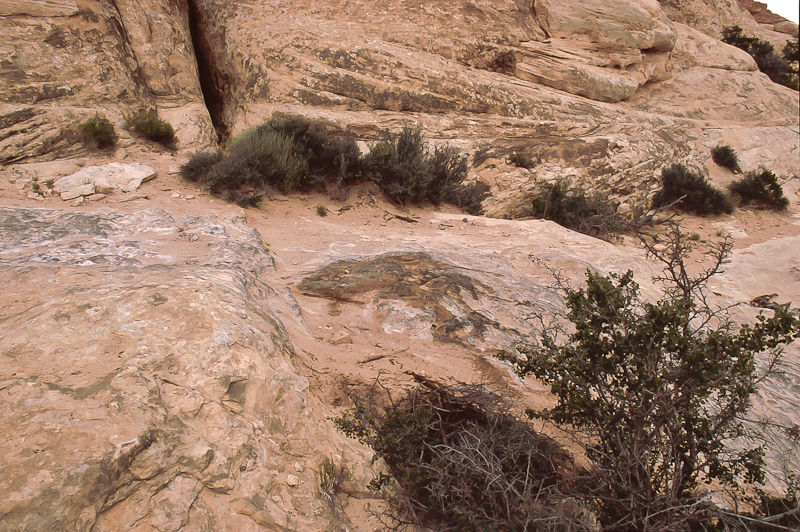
(291, 152)
(761, 188)
(573, 208)
(690, 192)
(98, 132)
(151, 126)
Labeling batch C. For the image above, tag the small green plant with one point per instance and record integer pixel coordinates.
(574, 209)
(49, 183)
(726, 156)
(322, 210)
(151, 126)
(331, 478)
(695, 237)
(761, 188)
(520, 160)
(98, 132)
(690, 192)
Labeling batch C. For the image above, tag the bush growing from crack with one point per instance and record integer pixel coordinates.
(690, 192)
(761, 188)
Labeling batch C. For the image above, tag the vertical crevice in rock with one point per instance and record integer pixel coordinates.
(212, 80)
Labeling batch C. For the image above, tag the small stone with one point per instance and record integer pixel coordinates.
(342, 338)
(292, 480)
(78, 201)
(175, 195)
(120, 153)
(298, 467)
(190, 196)
(194, 238)
(174, 170)
(74, 192)
(96, 197)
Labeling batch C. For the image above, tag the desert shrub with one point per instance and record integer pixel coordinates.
(654, 392)
(257, 158)
(460, 460)
(328, 156)
(761, 188)
(197, 167)
(520, 160)
(574, 209)
(322, 210)
(725, 156)
(151, 126)
(691, 192)
(776, 67)
(407, 172)
(98, 132)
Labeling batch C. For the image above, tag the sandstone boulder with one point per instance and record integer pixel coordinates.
(124, 177)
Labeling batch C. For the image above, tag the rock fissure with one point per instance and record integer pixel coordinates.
(211, 78)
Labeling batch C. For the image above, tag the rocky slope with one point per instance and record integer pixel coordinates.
(171, 363)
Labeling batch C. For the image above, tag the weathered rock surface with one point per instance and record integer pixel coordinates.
(160, 392)
(84, 182)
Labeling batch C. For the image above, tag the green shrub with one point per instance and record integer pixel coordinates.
(461, 461)
(329, 157)
(197, 167)
(407, 172)
(761, 188)
(291, 152)
(98, 132)
(520, 160)
(776, 67)
(322, 210)
(654, 392)
(692, 192)
(726, 156)
(151, 126)
(331, 478)
(572, 208)
(258, 157)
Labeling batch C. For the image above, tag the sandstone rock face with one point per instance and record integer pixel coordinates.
(112, 57)
(161, 392)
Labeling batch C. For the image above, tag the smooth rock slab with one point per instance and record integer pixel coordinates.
(125, 177)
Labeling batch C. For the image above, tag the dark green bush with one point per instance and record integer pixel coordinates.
(776, 67)
(726, 156)
(407, 172)
(761, 188)
(520, 160)
(692, 192)
(257, 158)
(291, 152)
(329, 157)
(151, 126)
(461, 461)
(98, 132)
(197, 167)
(571, 207)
